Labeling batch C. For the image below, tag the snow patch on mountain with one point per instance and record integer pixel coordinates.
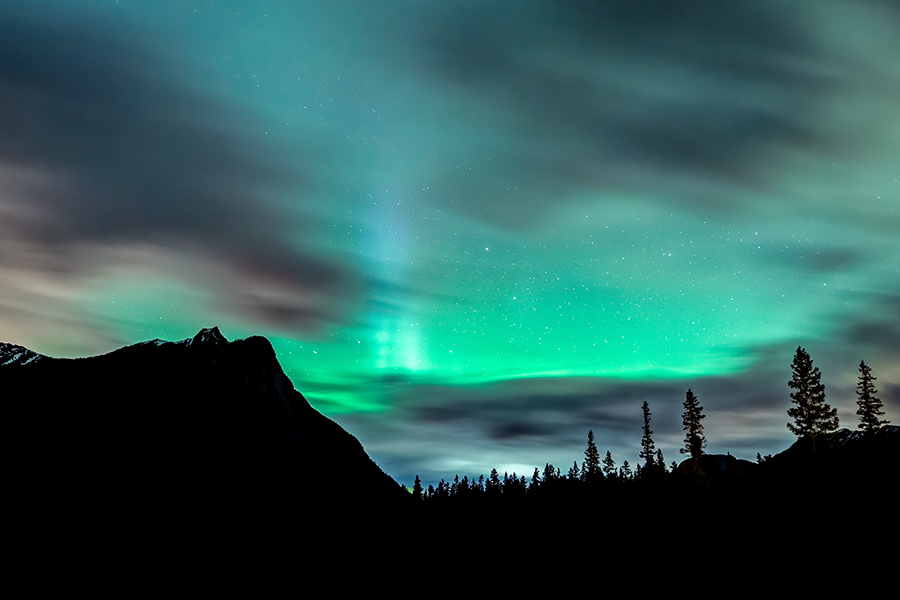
(11, 354)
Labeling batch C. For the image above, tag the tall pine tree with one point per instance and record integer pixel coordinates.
(591, 468)
(694, 440)
(811, 415)
(869, 404)
(609, 465)
(648, 448)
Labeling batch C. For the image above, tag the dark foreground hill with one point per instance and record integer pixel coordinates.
(200, 441)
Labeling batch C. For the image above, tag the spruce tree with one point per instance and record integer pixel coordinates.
(493, 483)
(549, 472)
(694, 441)
(591, 465)
(417, 488)
(535, 480)
(609, 465)
(811, 415)
(648, 448)
(869, 404)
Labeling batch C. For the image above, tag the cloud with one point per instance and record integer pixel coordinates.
(643, 97)
(546, 420)
(875, 332)
(102, 146)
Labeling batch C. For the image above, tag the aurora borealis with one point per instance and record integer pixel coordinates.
(472, 230)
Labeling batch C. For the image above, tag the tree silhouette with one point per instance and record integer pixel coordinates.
(535, 481)
(869, 404)
(493, 483)
(812, 416)
(660, 461)
(609, 465)
(591, 467)
(417, 488)
(694, 441)
(550, 473)
(648, 448)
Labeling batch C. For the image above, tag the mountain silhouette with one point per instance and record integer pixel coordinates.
(198, 438)
(202, 447)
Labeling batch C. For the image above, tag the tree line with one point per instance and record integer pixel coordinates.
(811, 417)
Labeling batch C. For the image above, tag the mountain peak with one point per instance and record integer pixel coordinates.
(178, 431)
(209, 335)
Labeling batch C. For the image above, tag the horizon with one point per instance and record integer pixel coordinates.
(471, 232)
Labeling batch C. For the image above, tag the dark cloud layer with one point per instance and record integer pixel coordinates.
(594, 94)
(123, 152)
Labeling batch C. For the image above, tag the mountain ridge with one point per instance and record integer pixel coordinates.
(161, 435)
(14, 354)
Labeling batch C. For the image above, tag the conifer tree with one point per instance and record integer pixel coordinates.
(535, 480)
(493, 483)
(869, 404)
(648, 448)
(609, 465)
(549, 472)
(694, 440)
(591, 468)
(812, 416)
(417, 488)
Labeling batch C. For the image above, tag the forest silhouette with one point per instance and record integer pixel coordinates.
(829, 478)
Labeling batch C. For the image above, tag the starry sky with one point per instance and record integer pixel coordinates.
(472, 230)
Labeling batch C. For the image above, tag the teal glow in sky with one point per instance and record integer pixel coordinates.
(473, 231)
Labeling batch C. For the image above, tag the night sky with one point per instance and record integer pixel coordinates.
(472, 230)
